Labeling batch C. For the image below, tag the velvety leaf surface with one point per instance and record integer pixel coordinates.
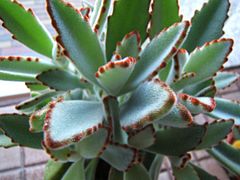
(78, 118)
(36, 120)
(177, 141)
(197, 105)
(225, 79)
(115, 152)
(142, 138)
(114, 75)
(137, 172)
(25, 27)
(186, 173)
(228, 156)
(61, 80)
(157, 52)
(207, 24)
(90, 170)
(216, 132)
(164, 14)
(79, 41)
(17, 128)
(35, 86)
(206, 61)
(26, 65)
(32, 102)
(13, 76)
(75, 171)
(93, 145)
(130, 45)
(159, 99)
(55, 170)
(226, 109)
(179, 116)
(126, 17)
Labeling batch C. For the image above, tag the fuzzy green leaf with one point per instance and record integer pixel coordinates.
(207, 24)
(179, 116)
(91, 168)
(81, 117)
(75, 171)
(225, 79)
(137, 172)
(142, 138)
(157, 52)
(60, 80)
(177, 141)
(25, 27)
(226, 109)
(55, 170)
(16, 126)
(120, 157)
(149, 102)
(13, 76)
(126, 17)
(36, 120)
(120, 70)
(130, 45)
(35, 86)
(164, 14)
(216, 132)
(197, 105)
(155, 167)
(228, 156)
(204, 62)
(5, 141)
(79, 41)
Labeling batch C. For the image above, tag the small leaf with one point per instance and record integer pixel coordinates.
(187, 173)
(33, 102)
(130, 45)
(35, 86)
(90, 170)
(226, 109)
(216, 132)
(164, 14)
(115, 174)
(207, 24)
(5, 141)
(55, 170)
(177, 141)
(157, 52)
(60, 80)
(126, 17)
(82, 118)
(36, 120)
(27, 65)
(179, 116)
(93, 145)
(159, 99)
(228, 156)
(181, 161)
(25, 27)
(197, 105)
(225, 79)
(155, 167)
(207, 60)
(75, 171)
(120, 70)
(137, 172)
(203, 174)
(17, 128)
(142, 138)
(79, 41)
(120, 157)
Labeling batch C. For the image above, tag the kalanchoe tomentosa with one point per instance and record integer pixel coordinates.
(119, 88)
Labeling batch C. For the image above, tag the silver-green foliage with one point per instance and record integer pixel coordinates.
(122, 83)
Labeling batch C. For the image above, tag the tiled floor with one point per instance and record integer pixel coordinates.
(20, 163)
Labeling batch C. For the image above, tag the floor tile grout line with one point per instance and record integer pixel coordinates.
(22, 161)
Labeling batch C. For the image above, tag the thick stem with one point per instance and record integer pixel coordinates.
(111, 108)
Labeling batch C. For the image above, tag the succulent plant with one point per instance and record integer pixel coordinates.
(120, 87)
